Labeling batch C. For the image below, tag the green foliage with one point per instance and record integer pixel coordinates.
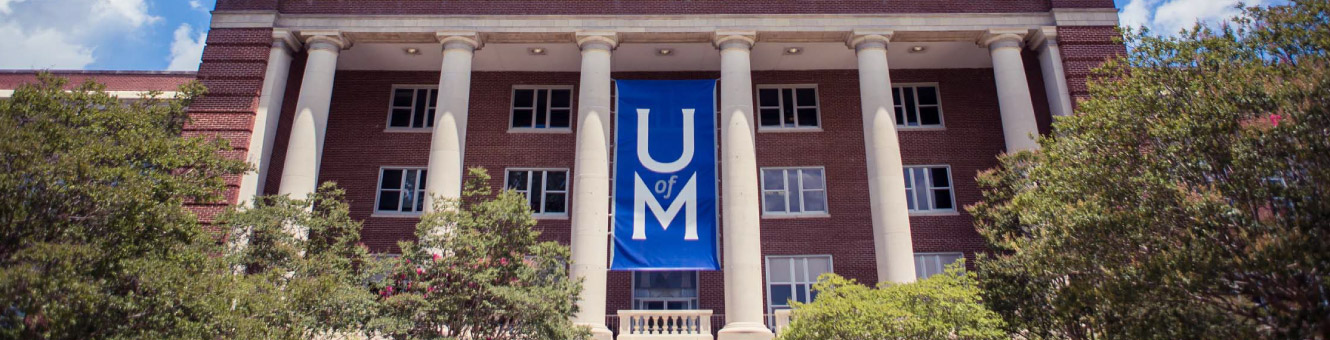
(1188, 199)
(943, 306)
(94, 239)
(479, 272)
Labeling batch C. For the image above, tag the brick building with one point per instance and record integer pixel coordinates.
(858, 126)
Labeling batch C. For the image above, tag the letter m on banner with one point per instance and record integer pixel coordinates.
(665, 211)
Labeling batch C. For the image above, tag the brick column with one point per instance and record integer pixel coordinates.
(892, 245)
(740, 212)
(300, 174)
(1017, 109)
(591, 190)
(448, 143)
(266, 118)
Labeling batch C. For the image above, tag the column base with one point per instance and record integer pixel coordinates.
(745, 331)
(599, 331)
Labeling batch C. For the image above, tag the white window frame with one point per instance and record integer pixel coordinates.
(757, 112)
(762, 180)
(941, 116)
(572, 113)
(771, 305)
(388, 121)
(936, 256)
(697, 286)
(951, 179)
(378, 191)
(567, 192)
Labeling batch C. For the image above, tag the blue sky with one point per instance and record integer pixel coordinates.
(168, 34)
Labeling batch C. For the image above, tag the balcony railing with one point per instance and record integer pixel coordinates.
(665, 324)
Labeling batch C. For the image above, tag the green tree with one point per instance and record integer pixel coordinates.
(943, 306)
(95, 241)
(1188, 198)
(479, 272)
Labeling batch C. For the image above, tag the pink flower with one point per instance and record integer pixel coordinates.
(429, 290)
(1275, 118)
(437, 257)
(420, 270)
(389, 289)
(503, 261)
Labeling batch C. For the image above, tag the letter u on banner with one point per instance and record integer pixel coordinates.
(665, 207)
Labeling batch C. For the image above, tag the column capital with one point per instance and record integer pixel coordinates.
(284, 38)
(1043, 36)
(325, 39)
(735, 39)
(1002, 38)
(590, 40)
(455, 39)
(861, 39)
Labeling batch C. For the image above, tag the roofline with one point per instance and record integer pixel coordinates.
(101, 72)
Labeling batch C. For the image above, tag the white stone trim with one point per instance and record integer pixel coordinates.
(5, 94)
(1085, 16)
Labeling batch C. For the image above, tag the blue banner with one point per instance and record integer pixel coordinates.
(665, 211)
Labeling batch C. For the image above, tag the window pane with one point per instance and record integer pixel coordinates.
(794, 192)
(800, 293)
(818, 266)
(541, 107)
(812, 178)
(806, 96)
(400, 118)
(433, 97)
(392, 179)
(423, 174)
(408, 190)
(554, 202)
(780, 295)
(419, 111)
(787, 106)
(927, 95)
(420, 201)
(537, 190)
(773, 179)
(522, 98)
(557, 181)
(561, 98)
(807, 117)
(930, 115)
(900, 116)
(388, 200)
(910, 117)
(522, 118)
(773, 201)
(768, 97)
(942, 199)
(920, 184)
(402, 97)
(559, 118)
(815, 201)
(429, 118)
(896, 96)
(770, 117)
(517, 180)
(909, 199)
(780, 269)
(940, 178)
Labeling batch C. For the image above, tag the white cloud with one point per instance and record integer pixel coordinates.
(1171, 16)
(186, 51)
(193, 4)
(65, 33)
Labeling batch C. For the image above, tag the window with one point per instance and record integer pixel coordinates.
(664, 290)
(547, 190)
(791, 278)
(546, 107)
(929, 264)
(928, 189)
(917, 106)
(413, 107)
(793, 191)
(401, 190)
(787, 106)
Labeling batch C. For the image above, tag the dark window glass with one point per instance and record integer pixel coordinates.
(800, 292)
(392, 179)
(940, 178)
(409, 189)
(537, 190)
(522, 98)
(420, 200)
(787, 106)
(558, 180)
(388, 200)
(561, 98)
(806, 96)
(400, 118)
(423, 174)
(402, 97)
(781, 294)
(942, 199)
(768, 97)
(559, 118)
(542, 97)
(770, 117)
(900, 116)
(910, 118)
(433, 97)
(419, 112)
(896, 96)
(927, 95)
(554, 203)
(807, 117)
(930, 116)
(429, 117)
(517, 180)
(522, 118)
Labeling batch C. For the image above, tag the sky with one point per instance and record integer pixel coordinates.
(170, 34)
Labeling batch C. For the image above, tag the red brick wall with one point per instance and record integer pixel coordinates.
(114, 80)
(1083, 49)
(234, 63)
(519, 7)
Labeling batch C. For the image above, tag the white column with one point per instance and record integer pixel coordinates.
(300, 175)
(1018, 124)
(1045, 41)
(591, 182)
(268, 114)
(448, 143)
(893, 248)
(744, 318)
